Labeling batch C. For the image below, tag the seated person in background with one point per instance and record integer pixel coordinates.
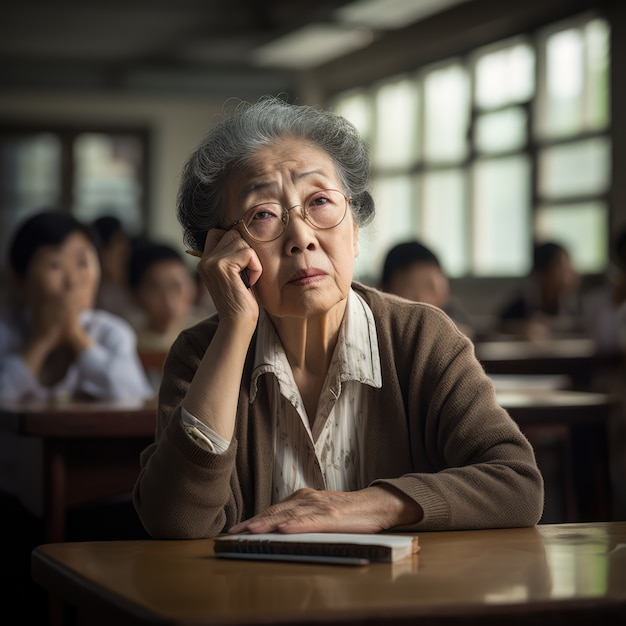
(165, 292)
(606, 317)
(114, 248)
(54, 345)
(606, 306)
(412, 271)
(550, 304)
(310, 402)
(53, 342)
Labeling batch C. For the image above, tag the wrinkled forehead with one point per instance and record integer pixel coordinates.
(286, 161)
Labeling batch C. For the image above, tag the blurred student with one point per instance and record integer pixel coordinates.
(549, 305)
(115, 247)
(606, 306)
(165, 292)
(606, 318)
(54, 343)
(413, 271)
(55, 346)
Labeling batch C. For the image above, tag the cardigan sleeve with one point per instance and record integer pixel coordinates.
(474, 467)
(184, 490)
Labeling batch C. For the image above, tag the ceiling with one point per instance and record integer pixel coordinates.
(206, 46)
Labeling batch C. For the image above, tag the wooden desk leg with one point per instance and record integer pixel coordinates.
(55, 490)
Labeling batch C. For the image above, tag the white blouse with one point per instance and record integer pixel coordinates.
(323, 452)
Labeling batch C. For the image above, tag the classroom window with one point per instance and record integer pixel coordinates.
(479, 155)
(86, 172)
(396, 141)
(446, 113)
(108, 177)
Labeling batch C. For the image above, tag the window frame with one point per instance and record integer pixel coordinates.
(67, 134)
(533, 143)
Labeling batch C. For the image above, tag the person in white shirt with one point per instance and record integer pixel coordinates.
(53, 345)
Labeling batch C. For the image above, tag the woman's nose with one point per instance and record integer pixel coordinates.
(299, 234)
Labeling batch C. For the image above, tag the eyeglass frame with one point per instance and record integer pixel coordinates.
(286, 216)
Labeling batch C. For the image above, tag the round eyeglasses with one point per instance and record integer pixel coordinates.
(323, 209)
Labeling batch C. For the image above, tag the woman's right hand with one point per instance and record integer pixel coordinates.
(226, 254)
(213, 394)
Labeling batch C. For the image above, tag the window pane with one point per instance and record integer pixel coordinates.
(443, 223)
(31, 171)
(396, 216)
(580, 168)
(30, 180)
(397, 116)
(575, 94)
(501, 131)
(581, 228)
(564, 72)
(446, 103)
(501, 225)
(108, 177)
(355, 106)
(505, 76)
(597, 66)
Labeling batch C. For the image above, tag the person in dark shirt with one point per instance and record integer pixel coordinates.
(549, 304)
(413, 271)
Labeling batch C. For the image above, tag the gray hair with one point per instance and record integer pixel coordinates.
(250, 127)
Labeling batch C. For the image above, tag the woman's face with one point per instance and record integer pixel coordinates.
(71, 267)
(306, 271)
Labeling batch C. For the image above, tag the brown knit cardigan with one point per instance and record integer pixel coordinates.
(436, 433)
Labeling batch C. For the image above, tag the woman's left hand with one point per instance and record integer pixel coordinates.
(368, 510)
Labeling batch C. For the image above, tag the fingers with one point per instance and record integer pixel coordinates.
(225, 257)
(228, 253)
(310, 510)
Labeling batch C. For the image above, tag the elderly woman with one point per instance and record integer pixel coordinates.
(309, 402)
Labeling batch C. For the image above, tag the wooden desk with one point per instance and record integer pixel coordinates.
(581, 420)
(573, 357)
(566, 574)
(91, 450)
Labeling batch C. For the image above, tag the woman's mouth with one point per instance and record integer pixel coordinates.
(307, 276)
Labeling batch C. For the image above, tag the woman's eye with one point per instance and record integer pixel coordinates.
(319, 201)
(264, 212)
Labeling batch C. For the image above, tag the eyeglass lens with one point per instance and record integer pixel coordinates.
(323, 209)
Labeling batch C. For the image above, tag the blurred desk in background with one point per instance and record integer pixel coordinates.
(575, 358)
(579, 422)
(530, 383)
(91, 450)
